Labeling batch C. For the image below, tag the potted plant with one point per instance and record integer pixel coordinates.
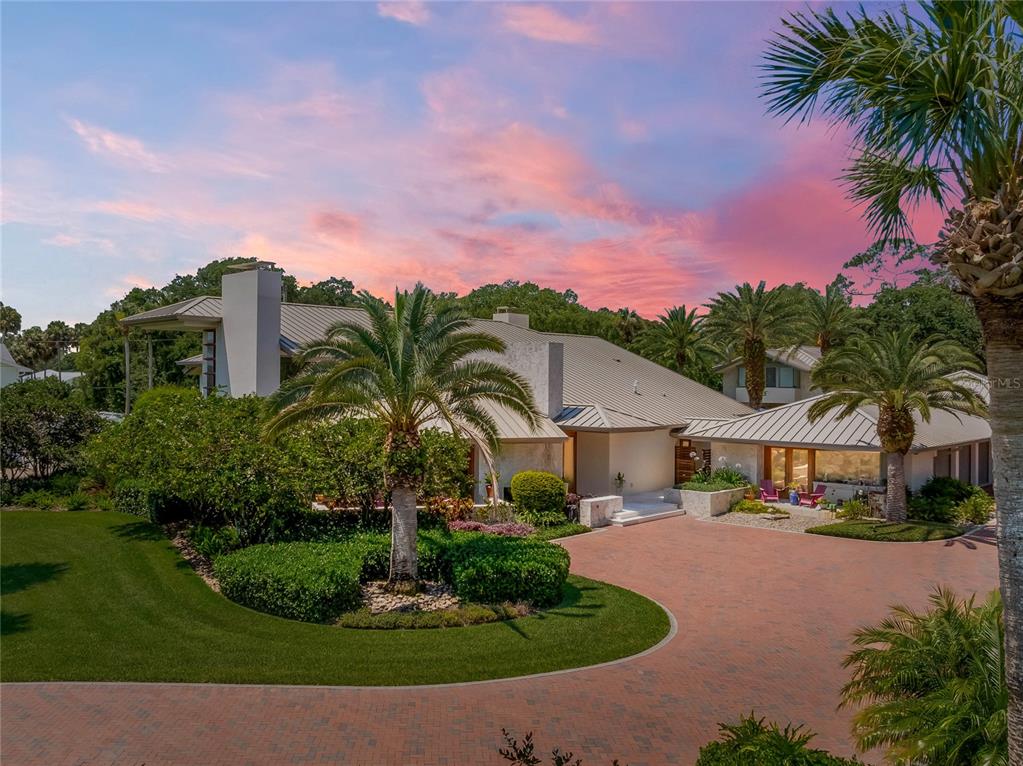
(492, 481)
(793, 489)
(619, 482)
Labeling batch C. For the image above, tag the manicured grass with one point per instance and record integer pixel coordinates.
(567, 529)
(104, 596)
(888, 532)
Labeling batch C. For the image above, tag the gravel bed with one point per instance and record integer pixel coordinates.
(792, 524)
(435, 596)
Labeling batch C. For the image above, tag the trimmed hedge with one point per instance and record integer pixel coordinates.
(492, 570)
(313, 582)
(539, 497)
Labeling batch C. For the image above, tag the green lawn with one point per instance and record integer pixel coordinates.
(888, 532)
(104, 596)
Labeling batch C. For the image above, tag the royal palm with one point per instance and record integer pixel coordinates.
(829, 318)
(675, 340)
(409, 367)
(903, 379)
(750, 321)
(933, 100)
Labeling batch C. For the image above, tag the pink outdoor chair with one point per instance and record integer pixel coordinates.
(811, 499)
(767, 491)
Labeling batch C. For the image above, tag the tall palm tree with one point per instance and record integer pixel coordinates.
(752, 320)
(932, 684)
(933, 95)
(408, 368)
(829, 317)
(675, 340)
(902, 378)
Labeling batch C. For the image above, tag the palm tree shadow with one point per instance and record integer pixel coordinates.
(139, 531)
(568, 607)
(18, 577)
(12, 622)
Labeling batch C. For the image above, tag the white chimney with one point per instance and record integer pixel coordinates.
(252, 328)
(543, 366)
(509, 316)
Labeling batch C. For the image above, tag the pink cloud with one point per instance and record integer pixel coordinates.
(336, 224)
(134, 209)
(412, 12)
(541, 22)
(118, 146)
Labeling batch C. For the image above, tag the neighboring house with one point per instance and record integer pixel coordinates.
(781, 444)
(604, 410)
(10, 370)
(65, 375)
(787, 376)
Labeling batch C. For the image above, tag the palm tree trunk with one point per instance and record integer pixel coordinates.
(404, 575)
(754, 358)
(1002, 320)
(895, 491)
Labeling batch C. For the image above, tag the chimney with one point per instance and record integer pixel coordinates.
(509, 316)
(252, 328)
(543, 367)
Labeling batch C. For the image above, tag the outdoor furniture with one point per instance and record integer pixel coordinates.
(768, 491)
(811, 499)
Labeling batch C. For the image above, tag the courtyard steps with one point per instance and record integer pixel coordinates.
(639, 509)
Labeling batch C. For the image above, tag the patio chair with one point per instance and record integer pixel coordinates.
(811, 499)
(768, 491)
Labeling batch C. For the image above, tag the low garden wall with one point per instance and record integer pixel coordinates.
(597, 511)
(703, 505)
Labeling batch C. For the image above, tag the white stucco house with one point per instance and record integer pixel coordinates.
(787, 376)
(10, 370)
(605, 410)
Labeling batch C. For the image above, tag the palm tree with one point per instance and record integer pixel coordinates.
(902, 378)
(408, 368)
(752, 321)
(830, 317)
(935, 104)
(675, 340)
(933, 683)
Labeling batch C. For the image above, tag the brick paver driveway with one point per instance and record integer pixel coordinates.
(763, 621)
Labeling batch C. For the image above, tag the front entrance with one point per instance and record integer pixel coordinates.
(685, 463)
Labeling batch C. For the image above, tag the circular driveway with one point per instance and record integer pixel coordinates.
(763, 617)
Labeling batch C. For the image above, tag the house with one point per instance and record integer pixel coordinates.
(787, 376)
(65, 375)
(10, 370)
(782, 445)
(605, 411)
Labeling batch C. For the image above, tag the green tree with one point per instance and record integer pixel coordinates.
(830, 317)
(31, 348)
(751, 320)
(902, 378)
(933, 95)
(406, 368)
(932, 684)
(332, 291)
(676, 341)
(10, 320)
(889, 263)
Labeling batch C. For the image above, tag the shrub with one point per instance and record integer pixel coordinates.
(451, 508)
(729, 476)
(210, 542)
(539, 497)
(312, 582)
(77, 501)
(699, 485)
(751, 741)
(751, 506)
(853, 509)
(139, 497)
(568, 529)
(37, 498)
(492, 570)
(469, 614)
(508, 529)
(432, 548)
(976, 509)
(937, 499)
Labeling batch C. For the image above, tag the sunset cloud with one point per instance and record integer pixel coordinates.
(118, 146)
(412, 12)
(541, 22)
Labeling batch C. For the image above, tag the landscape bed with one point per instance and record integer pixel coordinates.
(105, 597)
(888, 531)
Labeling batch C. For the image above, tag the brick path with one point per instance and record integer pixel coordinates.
(763, 619)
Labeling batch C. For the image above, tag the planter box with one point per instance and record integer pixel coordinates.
(597, 511)
(673, 496)
(703, 505)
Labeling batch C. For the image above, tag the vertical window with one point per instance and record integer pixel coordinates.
(772, 377)
(208, 373)
(742, 377)
(984, 463)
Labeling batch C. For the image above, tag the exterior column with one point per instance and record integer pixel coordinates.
(127, 375)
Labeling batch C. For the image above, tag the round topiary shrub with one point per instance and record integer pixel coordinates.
(539, 497)
(312, 582)
(489, 569)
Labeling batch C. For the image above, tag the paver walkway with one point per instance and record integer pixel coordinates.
(763, 618)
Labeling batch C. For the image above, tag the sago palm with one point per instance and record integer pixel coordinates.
(933, 97)
(675, 340)
(408, 368)
(902, 378)
(750, 321)
(932, 684)
(829, 318)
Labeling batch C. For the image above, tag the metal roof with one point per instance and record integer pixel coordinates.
(9, 361)
(597, 418)
(789, 425)
(633, 392)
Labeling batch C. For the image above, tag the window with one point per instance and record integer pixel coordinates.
(943, 463)
(775, 376)
(742, 377)
(208, 378)
(772, 377)
(801, 467)
(983, 463)
(847, 467)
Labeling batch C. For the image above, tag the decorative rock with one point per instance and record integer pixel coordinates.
(434, 597)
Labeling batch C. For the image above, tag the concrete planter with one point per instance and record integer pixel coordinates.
(597, 511)
(673, 496)
(703, 505)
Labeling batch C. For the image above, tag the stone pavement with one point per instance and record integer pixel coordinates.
(763, 623)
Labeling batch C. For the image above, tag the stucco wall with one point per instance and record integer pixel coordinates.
(520, 456)
(748, 456)
(593, 463)
(645, 458)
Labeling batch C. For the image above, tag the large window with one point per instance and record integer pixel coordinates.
(775, 376)
(848, 467)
